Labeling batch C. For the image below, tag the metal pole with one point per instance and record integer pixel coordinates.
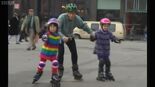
(125, 11)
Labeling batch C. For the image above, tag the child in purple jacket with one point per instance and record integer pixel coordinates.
(102, 49)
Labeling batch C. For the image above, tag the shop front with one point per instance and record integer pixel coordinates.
(109, 9)
(135, 18)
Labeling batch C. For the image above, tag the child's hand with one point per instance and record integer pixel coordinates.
(44, 37)
(118, 41)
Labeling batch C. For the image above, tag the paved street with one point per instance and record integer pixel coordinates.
(128, 65)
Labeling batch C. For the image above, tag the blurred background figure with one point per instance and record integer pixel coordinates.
(145, 33)
(132, 32)
(31, 25)
(14, 28)
(23, 35)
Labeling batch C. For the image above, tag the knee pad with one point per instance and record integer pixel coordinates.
(55, 63)
(41, 64)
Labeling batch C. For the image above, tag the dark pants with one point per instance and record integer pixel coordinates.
(23, 35)
(72, 47)
(104, 61)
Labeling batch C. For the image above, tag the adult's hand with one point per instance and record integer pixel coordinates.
(65, 39)
(92, 36)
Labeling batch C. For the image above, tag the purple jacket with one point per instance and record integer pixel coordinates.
(102, 45)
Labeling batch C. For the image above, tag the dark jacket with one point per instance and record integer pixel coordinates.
(14, 26)
(102, 45)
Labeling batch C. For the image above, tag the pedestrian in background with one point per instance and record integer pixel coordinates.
(102, 49)
(14, 27)
(31, 25)
(49, 51)
(145, 33)
(23, 35)
(67, 22)
(132, 33)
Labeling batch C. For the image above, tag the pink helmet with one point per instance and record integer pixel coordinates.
(105, 21)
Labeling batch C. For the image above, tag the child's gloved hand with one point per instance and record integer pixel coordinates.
(44, 37)
(118, 41)
(92, 36)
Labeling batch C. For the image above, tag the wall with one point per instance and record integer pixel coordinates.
(108, 4)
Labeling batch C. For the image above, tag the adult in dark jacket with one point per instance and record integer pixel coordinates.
(14, 27)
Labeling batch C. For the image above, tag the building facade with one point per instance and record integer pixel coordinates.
(129, 12)
(53, 8)
(87, 10)
(109, 8)
(134, 13)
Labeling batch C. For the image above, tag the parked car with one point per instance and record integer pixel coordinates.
(116, 28)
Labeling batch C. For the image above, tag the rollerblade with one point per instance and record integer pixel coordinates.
(55, 80)
(61, 70)
(109, 77)
(100, 77)
(108, 73)
(37, 77)
(77, 75)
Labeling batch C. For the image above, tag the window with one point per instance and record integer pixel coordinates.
(142, 4)
(114, 14)
(112, 27)
(136, 5)
(94, 26)
(130, 4)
